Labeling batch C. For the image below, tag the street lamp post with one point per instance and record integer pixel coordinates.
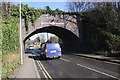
(21, 42)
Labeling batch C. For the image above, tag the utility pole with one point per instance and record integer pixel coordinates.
(21, 42)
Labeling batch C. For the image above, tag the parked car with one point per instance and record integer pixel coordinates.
(31, 47)
(51, 50)
(35, 51)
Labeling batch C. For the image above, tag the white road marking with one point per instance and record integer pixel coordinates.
(65, 60)
(98, 71)
(42, 70)
(99, 60)
(45, 70)
(37, 73)
(45, 75)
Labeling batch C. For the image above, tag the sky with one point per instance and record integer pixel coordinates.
(41, 5)
(42, 36)
(52, 5)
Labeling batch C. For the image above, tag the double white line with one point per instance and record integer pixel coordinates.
(44, 71)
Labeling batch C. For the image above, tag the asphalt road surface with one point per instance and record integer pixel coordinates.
(71, 66)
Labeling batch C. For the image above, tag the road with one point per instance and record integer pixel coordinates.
(71, 66)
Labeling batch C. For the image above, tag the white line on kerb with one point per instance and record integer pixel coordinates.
(97, 71)
(65, 60)
(37, 74)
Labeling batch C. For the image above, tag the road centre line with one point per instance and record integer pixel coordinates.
(65, 60)
(98, 71)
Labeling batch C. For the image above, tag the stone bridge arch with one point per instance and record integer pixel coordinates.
(70, 40)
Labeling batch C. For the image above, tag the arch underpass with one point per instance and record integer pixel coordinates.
(70, 40)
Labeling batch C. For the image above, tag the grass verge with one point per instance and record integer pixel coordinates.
(9, 64)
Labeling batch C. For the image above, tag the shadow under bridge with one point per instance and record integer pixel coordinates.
(70, 40)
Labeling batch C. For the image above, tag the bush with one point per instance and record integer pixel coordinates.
(10, 39)
(110, 54)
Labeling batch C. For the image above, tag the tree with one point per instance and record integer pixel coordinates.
(5, 9)
(37, 39)
(54, 39)
(10, 37)
(101, 26)
(57, 9)
(47, 8)
(78, 6)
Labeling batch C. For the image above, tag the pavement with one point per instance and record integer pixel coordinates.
(26, 70)
(99, 57)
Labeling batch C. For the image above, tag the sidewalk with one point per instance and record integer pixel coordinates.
(98, 57)
(26, 70)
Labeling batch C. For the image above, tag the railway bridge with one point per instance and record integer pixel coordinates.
(67, 27)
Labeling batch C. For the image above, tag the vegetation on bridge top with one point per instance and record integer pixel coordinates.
(31, 14)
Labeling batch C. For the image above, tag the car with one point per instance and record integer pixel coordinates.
(51, 50)
(31, 47)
